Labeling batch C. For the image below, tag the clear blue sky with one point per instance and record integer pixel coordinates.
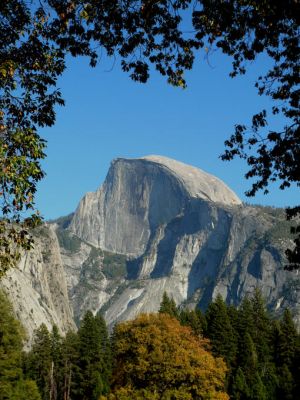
(108, 116)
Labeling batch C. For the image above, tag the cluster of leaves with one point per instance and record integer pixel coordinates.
(246, 29)
(157, 358)
(262, 355)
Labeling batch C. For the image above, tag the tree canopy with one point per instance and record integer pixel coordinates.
(37, 36)
(157, 358)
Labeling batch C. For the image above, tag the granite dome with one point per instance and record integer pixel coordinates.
(139, 195)
(198, 183)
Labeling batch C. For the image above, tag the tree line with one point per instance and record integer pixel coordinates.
(227, 352)
(262, 354)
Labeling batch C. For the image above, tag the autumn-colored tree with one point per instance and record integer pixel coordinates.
(157, 358)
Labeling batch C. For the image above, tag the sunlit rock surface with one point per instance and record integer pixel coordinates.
(38, 289)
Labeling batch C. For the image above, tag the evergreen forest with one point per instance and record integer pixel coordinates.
(225, 353)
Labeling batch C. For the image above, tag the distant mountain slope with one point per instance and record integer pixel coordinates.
(158, 225)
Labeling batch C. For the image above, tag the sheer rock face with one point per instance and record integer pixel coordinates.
(37, 288)
(137, 197)
(155, 225)
(206, 252)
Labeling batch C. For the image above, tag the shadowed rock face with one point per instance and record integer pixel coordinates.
(158, 225)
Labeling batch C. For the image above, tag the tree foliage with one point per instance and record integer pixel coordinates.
(13, 385)
(39, 363)
(220, 331)
(266, 364)
(76, 366)
(168, 306)
(94, 363)
(243, 30)
(156, 357)
(262, 355)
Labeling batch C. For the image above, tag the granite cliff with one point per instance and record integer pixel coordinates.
(137, 197)
(155, 225)
(37, 288)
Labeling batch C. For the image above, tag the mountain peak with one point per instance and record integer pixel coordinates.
(138, 196)
(198, 183)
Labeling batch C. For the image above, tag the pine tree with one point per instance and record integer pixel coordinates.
(194, 319)
(245, 318)
(233, 315)
(11, 335)
(39, 361)
(247, 383)
(285, 353)
(56, 374)
(287, 340)
(258, 390)
(220, 331)
(106, 353)
(168, 306)
(25, 390)
(44, 362)
(286, 384)
(248, 359)
(70, 368)
(254, 324)
(261, 332)
(13, 385)
(92, 380)
(296, 369)
(240, 389)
